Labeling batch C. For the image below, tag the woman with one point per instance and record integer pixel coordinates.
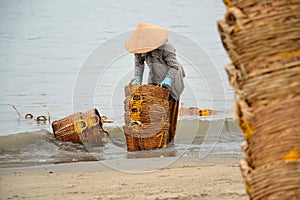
(149, 43)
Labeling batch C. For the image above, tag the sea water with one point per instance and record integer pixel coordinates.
(46, 45)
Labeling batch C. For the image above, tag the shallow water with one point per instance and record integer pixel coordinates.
(41, 147)
(45, 44)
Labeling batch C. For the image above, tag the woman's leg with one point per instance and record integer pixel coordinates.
(173, 116)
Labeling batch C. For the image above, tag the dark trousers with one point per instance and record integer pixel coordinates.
(173, 116)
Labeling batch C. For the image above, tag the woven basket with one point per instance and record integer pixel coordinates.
(278, 116)
(279, 180)
(146, 138)
(246, 174)
(147, 116)
(263, 86)
(257, 34)
(268, 148)
(254, 7)
(277, 128)
(261, 38)
(274, 180)
(80, 128)
(275, 86)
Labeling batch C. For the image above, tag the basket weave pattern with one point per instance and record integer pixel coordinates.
(261, 38)
(80, 128)
(146, 117)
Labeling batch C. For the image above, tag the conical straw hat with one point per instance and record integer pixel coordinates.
(146, 37)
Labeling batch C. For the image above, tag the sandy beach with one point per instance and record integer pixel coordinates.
(214, 177)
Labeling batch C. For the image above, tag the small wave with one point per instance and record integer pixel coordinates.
(19, 141)
(41, 147)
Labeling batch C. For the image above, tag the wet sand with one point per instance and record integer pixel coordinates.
(213, 177)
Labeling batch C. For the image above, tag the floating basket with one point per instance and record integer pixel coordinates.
(149, 117)
(80, 128)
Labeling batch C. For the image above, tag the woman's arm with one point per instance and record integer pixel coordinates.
(171, 60)
(139, 65)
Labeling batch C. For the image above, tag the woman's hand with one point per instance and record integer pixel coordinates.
(135, 82)
(166, 82)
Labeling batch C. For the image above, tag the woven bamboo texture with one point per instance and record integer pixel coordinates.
(253, 36)
(262, 39)
(147, 117)
(80, 127)
(279, 180)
